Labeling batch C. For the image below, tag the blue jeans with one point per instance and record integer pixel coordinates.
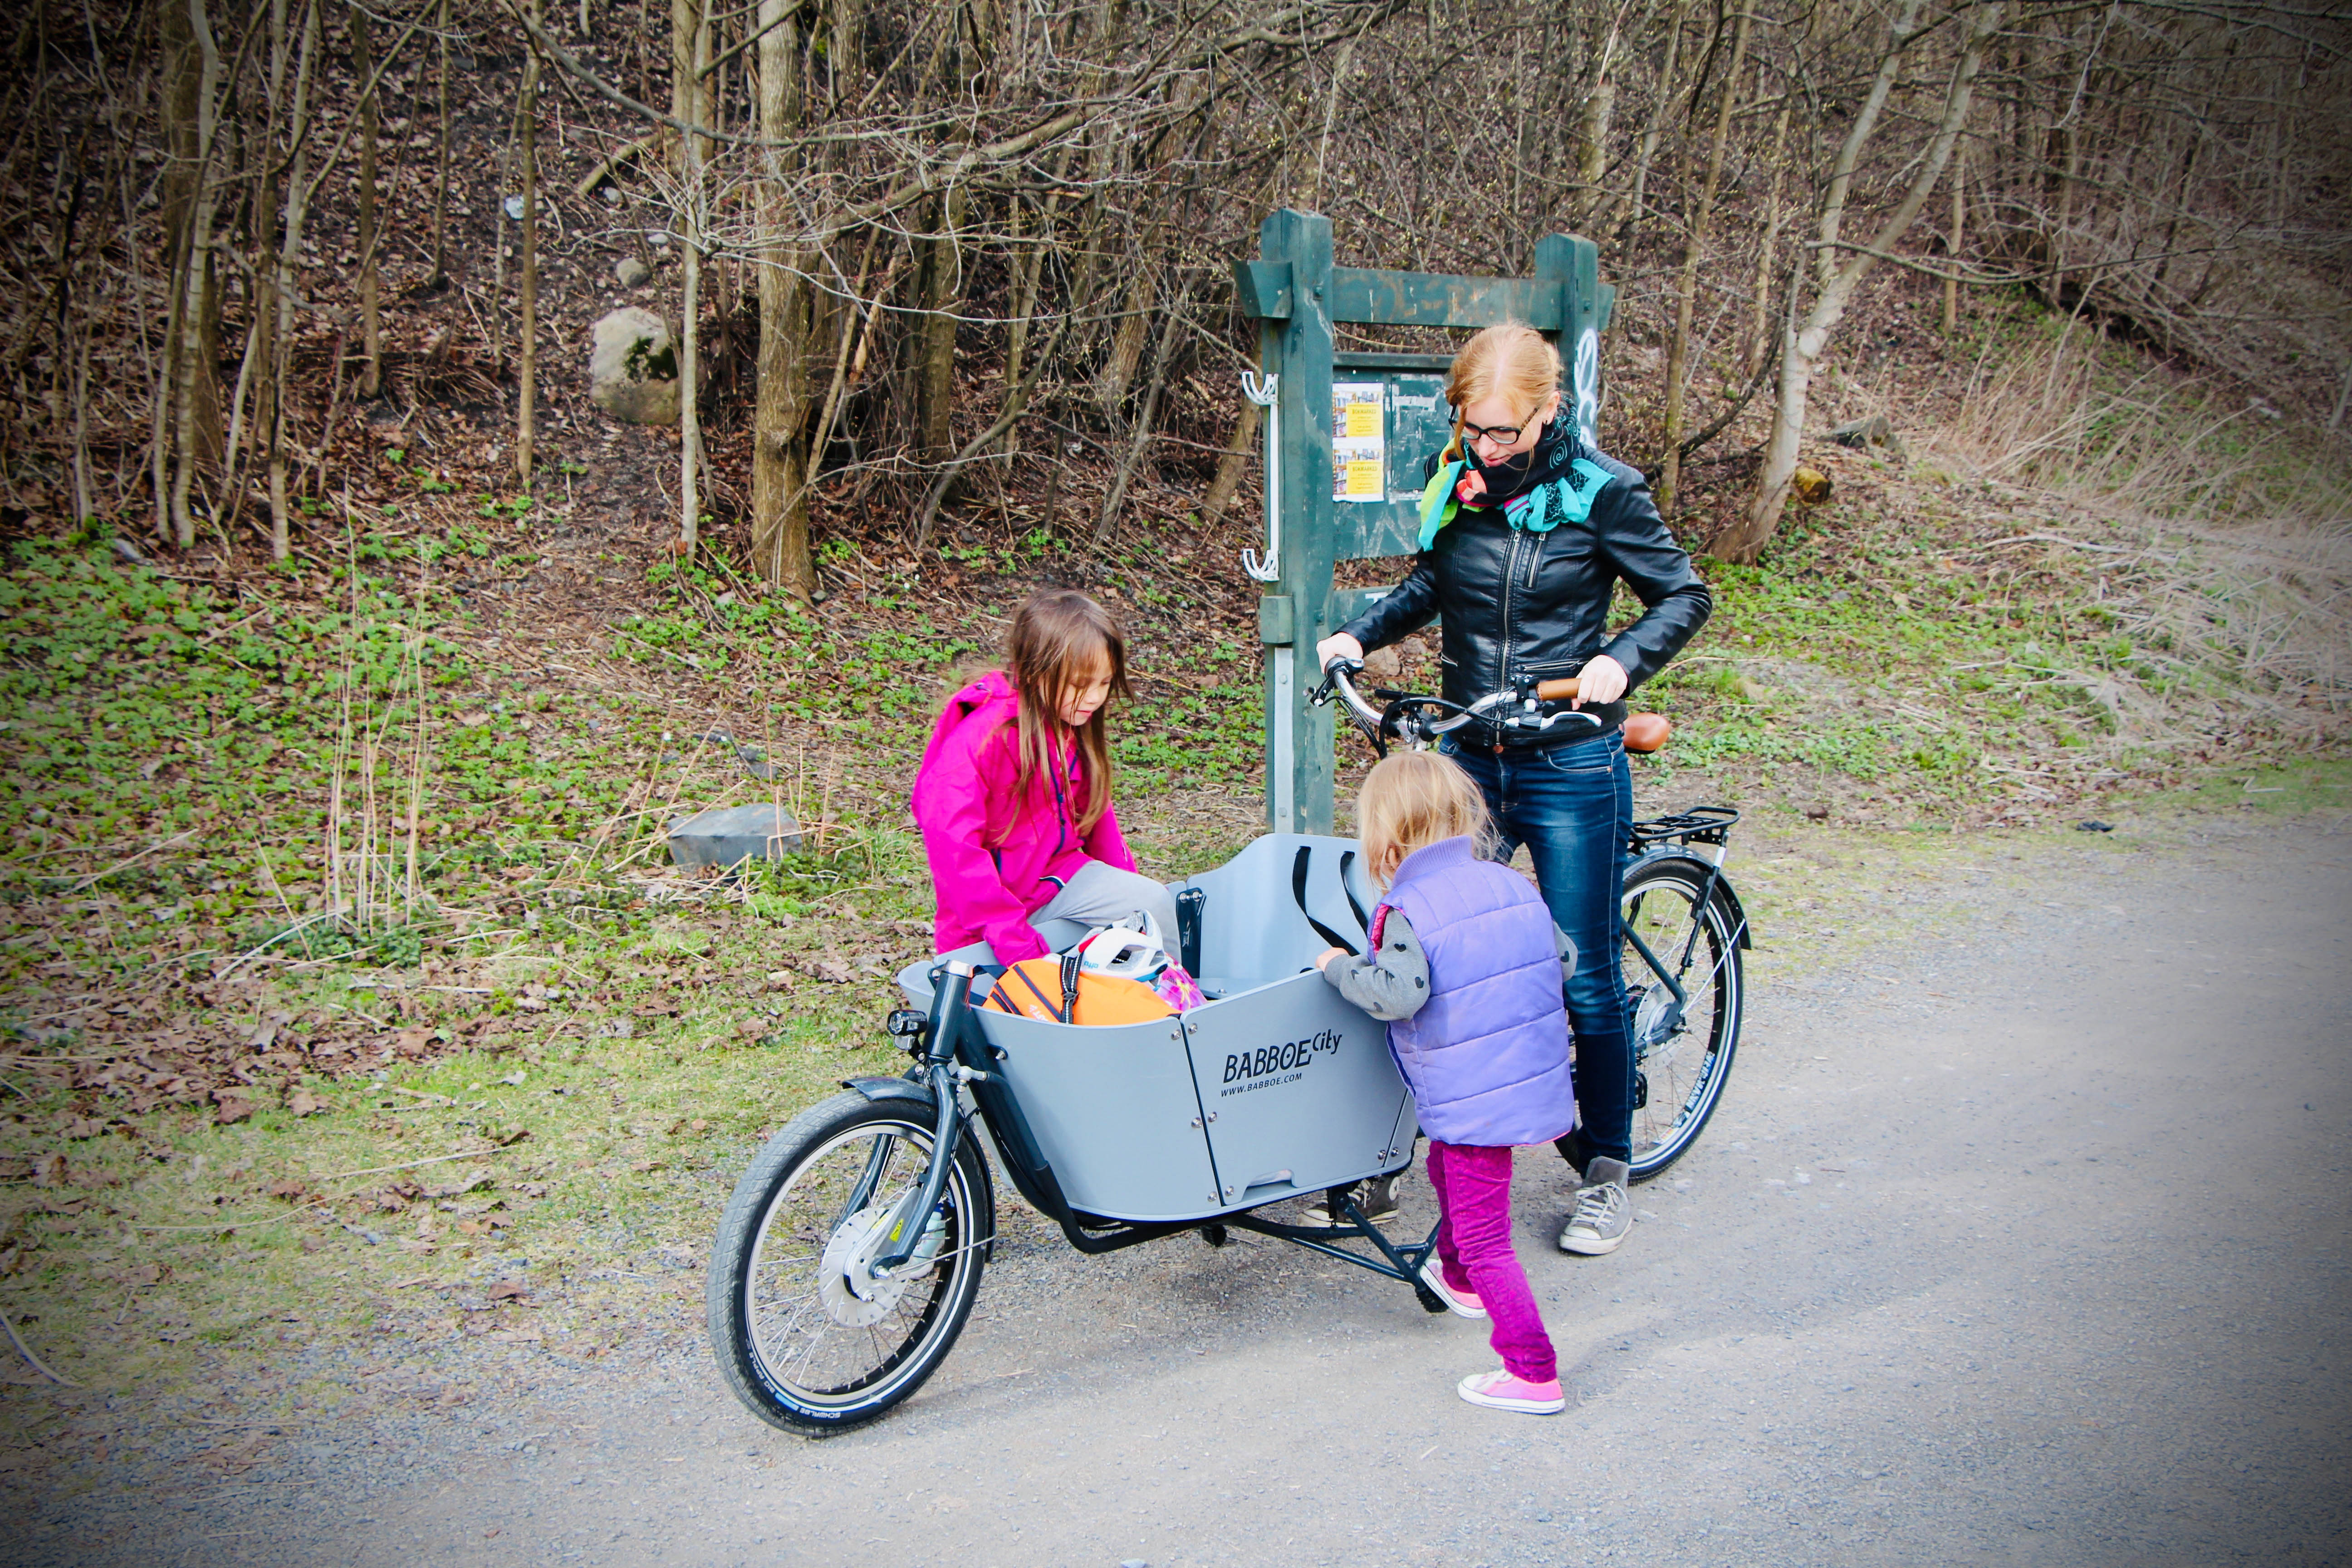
(1570, 806)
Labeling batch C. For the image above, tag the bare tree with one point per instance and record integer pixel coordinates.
(1694, 249)
(783, 433)
(1802, 346)
(527, 351)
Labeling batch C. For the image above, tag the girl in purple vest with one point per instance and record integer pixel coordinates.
(1466, 965)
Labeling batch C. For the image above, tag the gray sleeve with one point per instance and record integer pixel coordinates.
(1391, 983)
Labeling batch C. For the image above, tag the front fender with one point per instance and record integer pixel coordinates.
(877, 1088)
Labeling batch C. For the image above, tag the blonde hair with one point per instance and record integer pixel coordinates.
(1410, 801)
(1512, 362)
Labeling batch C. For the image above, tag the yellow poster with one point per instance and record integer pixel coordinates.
(1359, 441)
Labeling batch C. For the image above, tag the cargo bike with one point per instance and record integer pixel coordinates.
(850, 1255)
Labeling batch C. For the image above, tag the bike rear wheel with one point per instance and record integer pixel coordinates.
(810, 1339)
(1682, 1050)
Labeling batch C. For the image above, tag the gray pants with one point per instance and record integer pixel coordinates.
(1099, 894)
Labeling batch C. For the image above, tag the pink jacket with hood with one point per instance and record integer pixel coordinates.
(990, 851)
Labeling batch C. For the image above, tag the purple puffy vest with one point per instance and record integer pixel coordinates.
(1487, 1054)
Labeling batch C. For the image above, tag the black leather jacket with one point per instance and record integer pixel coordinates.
(1519, 604)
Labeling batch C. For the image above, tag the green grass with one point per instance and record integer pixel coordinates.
(616, 1071)
(169, 755)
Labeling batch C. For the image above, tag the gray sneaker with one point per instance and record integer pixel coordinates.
(1375, 1197)
(1604, 1210)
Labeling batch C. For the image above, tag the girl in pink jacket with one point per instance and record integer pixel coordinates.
(1013, 796)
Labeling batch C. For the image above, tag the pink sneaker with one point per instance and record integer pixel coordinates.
(1461, 1303)
(1498, 1390)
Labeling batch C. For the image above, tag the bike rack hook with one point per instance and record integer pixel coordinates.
(1260, 389)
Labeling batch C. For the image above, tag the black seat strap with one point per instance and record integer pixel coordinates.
(1299, 894)
(1347, 860)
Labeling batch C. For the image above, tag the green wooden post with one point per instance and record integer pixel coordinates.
(1576, 265)
(1295, 293)
(1300, 735)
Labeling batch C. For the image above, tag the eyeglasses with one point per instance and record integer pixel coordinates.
(1501, 435)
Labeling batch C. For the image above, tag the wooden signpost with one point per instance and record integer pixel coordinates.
(1345, 437)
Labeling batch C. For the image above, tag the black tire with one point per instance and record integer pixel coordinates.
(804, 1348)
(1683, 1054)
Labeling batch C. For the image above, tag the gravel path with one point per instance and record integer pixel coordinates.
(2022, 1244)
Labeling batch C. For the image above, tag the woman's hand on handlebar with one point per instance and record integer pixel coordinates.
(1339, 645)
(1602, 679)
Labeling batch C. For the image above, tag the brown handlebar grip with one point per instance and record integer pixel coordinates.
(1557, 691)
(1646, 731)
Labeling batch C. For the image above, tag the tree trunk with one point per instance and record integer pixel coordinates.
(371, 312)
(1143, 417)
(1952, 250)
(1768, 254)
(784, 453)
(187, 393)
(690, 49)
(941, 290)
(1802, 346)
(290, 251)
(689, 92)
(1590, 149)
(1232, 464)
(1890, 66)
(1694, 247)
(1648, 147)
(441, 175)
(527, 342)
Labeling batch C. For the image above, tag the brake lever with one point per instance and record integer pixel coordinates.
(1323, 694)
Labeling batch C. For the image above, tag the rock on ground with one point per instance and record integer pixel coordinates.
(633, 370)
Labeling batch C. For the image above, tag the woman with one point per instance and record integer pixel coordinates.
(1524, 531)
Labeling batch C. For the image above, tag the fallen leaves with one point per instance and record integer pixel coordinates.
(454, 1189)
(231, 1107)
(509, 1290)
(302, 1102)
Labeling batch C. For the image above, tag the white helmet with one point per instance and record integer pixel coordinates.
(1130, 950)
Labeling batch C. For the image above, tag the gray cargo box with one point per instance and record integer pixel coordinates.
(1276, 1087)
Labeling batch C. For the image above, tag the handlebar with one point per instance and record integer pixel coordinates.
(1418, 720)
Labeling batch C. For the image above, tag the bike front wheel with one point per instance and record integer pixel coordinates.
(811, 1336)
(1683, 1045)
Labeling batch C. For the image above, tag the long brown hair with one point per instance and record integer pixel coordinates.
(1059, 639)
(1512, 362)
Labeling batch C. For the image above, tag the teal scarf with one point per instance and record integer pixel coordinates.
(1568, 501)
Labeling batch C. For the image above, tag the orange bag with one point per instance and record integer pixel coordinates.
(1037, 988)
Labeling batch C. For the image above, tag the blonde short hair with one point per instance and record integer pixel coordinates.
(1413, 799)
(1512, 362)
